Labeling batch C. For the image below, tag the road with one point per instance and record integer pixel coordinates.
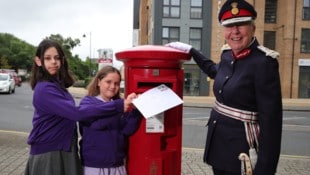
(16, 115)
(295, 133)
(16, 109)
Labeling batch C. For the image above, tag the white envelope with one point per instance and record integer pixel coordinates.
(156, 100)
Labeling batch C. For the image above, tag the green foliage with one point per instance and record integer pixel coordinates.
(18, 54)
(4, 63)
(87, 81)
(15, 53)
(79, 68)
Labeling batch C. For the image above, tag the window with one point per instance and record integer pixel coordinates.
(192, 83)
(305, 41)
(196, 9)
(271, 11)
(304, 82)
(306, 10)
(195, 38)
(170, 34)
(270, 39)
(171, 8)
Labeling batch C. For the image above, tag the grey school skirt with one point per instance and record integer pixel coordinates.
(55, 163)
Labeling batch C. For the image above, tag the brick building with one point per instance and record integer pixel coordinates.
(282, 25)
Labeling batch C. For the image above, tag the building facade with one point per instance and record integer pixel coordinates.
(282, 25)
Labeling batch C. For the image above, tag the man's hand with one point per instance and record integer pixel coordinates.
(180, 46)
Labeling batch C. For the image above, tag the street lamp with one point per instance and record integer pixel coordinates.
(89, 52)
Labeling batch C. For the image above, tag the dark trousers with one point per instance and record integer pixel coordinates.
(223, 172)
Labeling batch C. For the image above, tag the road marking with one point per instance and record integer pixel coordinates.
(290, 127)
(295, 156)
(196, 118)
(194, 149)
(14, 132)
(281, 155)
(205, 118)
(293, 118)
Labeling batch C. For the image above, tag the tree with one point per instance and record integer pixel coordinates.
(18, 54)
(4, 63)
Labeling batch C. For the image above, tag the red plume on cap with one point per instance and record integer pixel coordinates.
(236, 11)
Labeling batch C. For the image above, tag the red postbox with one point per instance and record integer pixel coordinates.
(156, 147)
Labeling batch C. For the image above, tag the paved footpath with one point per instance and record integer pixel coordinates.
(14, 153)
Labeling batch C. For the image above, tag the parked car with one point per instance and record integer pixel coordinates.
(17, 78)
(7, 83)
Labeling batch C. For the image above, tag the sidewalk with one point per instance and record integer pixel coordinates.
(14, 150)
(14, 154)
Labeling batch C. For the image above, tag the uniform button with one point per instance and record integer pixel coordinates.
(232, 62)
(227, 77)
(220, 91)
(214, 121)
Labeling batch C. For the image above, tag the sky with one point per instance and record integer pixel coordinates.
(106, 23)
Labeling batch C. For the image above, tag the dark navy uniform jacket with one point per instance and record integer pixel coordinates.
(253, 84)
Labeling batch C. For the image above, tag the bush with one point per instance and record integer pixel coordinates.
(79, 83)
(87, 81)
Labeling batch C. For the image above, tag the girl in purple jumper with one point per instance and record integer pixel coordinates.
(53, 139)
(104, 141)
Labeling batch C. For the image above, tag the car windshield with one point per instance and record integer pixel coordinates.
(3, 77)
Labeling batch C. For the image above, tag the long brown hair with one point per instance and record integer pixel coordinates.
(93, 89)
(39, 73)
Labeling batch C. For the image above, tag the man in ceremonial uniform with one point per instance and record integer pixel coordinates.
(247, 116)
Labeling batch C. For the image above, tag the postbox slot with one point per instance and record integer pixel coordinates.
(149, 85)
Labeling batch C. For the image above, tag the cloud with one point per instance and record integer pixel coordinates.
(108, 21)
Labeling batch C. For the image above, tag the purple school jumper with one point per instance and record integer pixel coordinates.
(104, 141)
(55, 116)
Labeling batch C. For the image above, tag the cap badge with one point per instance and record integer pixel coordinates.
(234, 10)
